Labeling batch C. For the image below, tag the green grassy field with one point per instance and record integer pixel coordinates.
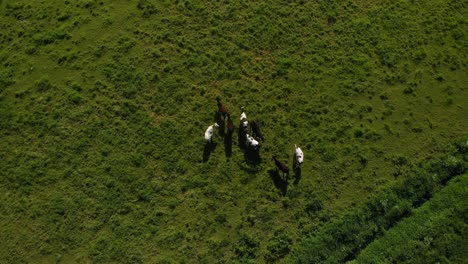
(103, 106)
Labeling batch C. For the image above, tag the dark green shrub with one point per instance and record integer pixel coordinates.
(124, 44)
(19, 10)
(312, 204)
(6, 78)
(372, 135)
(363, 159)
(74, 96)
(408, 90)
(358, 132)
(146, 7)
(43, 84)
(247, 247)
(87, 3)
(462, 148)
(449, 101)
(279, 246)
(221, 218)
(49, 37)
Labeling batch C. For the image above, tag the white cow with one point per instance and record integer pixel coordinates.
(209, 132)
(243, 119)
(299, 156)
(250, 141)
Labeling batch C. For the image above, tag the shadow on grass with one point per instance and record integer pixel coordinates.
(209, 147)
(280, 183)
(297, 175)
(251, 160)
(297, 171)
(241, 137)
(222, 125)
(252, 156)
(228, 145)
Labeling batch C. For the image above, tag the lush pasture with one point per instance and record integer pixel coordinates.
(103, 105)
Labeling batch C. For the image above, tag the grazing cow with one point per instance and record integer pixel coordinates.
(209, 132)
(256, 131)
(221, 108)
(230, 124)
(281, 166)
(299, 156)
(243, 119)
(251, 142)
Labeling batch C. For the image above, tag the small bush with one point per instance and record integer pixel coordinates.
(74, 96)
(43, 84)
(87, 3)
(279, 246)
(46, 38)
(358, 133)
(146, 7)
(408, 90)
(247, 247)
(124, 44)
(313, 204)
(449, 101)
(6, 78)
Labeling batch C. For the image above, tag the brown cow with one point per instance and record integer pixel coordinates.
(221, 108)
(281, 166)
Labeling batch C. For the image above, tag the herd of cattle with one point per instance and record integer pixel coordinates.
(251, 134)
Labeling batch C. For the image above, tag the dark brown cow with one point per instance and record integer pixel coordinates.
(221, 108)
(281, 166)
(256, 131)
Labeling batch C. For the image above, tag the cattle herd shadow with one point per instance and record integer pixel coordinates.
(280, 183)
(209, 148)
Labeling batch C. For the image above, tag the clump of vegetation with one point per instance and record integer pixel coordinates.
(146, 7)
(279, 246)
(246, 248)
(43, 84)
(6, 78)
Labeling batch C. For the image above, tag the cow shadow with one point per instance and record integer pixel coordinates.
(208, 149)
(297, 175)
(280, 183)
(252, 156)
(228, 145)
(222, 125)
(297, 171)
(241, 137)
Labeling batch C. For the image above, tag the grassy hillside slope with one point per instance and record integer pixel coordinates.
(103, 105)
(434, 233)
